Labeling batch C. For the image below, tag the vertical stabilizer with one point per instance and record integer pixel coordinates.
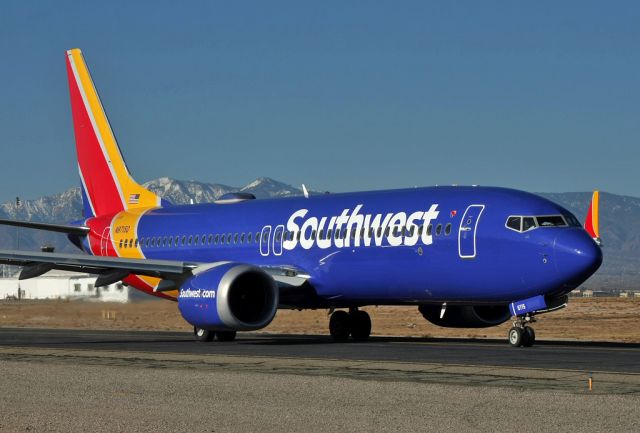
(107, 186)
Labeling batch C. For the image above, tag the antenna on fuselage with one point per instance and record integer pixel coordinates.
(304, 191)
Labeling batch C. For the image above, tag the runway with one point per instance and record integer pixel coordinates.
(587, 357)
(106, 381)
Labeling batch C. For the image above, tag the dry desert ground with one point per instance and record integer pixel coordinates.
(597, 319)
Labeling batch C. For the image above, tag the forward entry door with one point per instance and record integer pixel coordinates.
(468, 230)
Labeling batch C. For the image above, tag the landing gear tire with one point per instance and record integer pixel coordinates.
(203, 335)
(516, 336)
(529, 336)
(340, 325)
(226, 335)
(360, 325)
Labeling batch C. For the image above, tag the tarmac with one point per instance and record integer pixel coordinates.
(69, 380)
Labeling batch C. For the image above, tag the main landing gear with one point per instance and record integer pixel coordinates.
(355, 323)
(522, 334)
(205, 336)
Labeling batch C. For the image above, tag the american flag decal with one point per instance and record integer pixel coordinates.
(134, 198)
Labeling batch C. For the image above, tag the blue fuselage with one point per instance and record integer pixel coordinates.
(411, 246)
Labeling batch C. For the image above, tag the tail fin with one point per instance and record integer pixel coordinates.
(592, 222)
(107, 186)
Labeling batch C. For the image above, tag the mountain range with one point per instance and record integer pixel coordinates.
(619, 221)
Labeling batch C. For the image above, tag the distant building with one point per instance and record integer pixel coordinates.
(596, 294)
(62, 285)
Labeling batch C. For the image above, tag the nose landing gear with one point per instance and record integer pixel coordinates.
(522, 334)
(355, 323)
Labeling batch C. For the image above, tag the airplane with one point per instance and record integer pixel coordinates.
(465, 256)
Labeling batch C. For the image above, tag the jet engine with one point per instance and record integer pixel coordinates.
(466, 316)
(228, 297)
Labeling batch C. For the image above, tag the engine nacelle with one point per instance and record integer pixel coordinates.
(228, 296)
(466, 316)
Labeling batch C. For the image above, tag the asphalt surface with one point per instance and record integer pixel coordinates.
(586, 357)
(105, 381)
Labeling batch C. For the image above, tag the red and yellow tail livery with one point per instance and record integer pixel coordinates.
(106, 182)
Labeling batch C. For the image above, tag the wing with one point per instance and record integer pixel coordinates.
(36, 263)
(113, 269)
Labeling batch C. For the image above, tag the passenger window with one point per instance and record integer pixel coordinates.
(190, 240)
(438, 229)
(137, 243)
(429, 229)
(447, 229)
(229, 239)
(386, 232)
(242, 238)
(120, 244)
(210, 240)
(203, 239)
(235, 238)
(184, 240)
(411, 230)
(514, 223)
(249, 238)
(329, 234)
(176, 240)
(153, 242)
(164, 241)
(257, 237)
(321, 234)
(344, 233)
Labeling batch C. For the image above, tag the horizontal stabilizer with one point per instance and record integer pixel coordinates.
(60, 228)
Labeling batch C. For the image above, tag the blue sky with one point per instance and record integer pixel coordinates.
(541, 96)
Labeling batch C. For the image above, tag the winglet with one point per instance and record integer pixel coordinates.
(591, 224)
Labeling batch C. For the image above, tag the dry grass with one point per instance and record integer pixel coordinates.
(602, 319)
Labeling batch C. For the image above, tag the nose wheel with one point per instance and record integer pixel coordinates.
(355, 323)
(522, 334)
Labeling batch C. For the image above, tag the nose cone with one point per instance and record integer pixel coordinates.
(577, 256)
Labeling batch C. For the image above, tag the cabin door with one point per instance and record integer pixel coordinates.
(468, 230)
(277, 240)
(265, 238)
(105, 239)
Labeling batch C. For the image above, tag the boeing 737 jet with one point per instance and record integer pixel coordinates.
(464, 256)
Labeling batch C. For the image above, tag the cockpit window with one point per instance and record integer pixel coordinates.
(528, 223)
(525, 223)
(572, 220)
(514, 223)
(551, 221)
